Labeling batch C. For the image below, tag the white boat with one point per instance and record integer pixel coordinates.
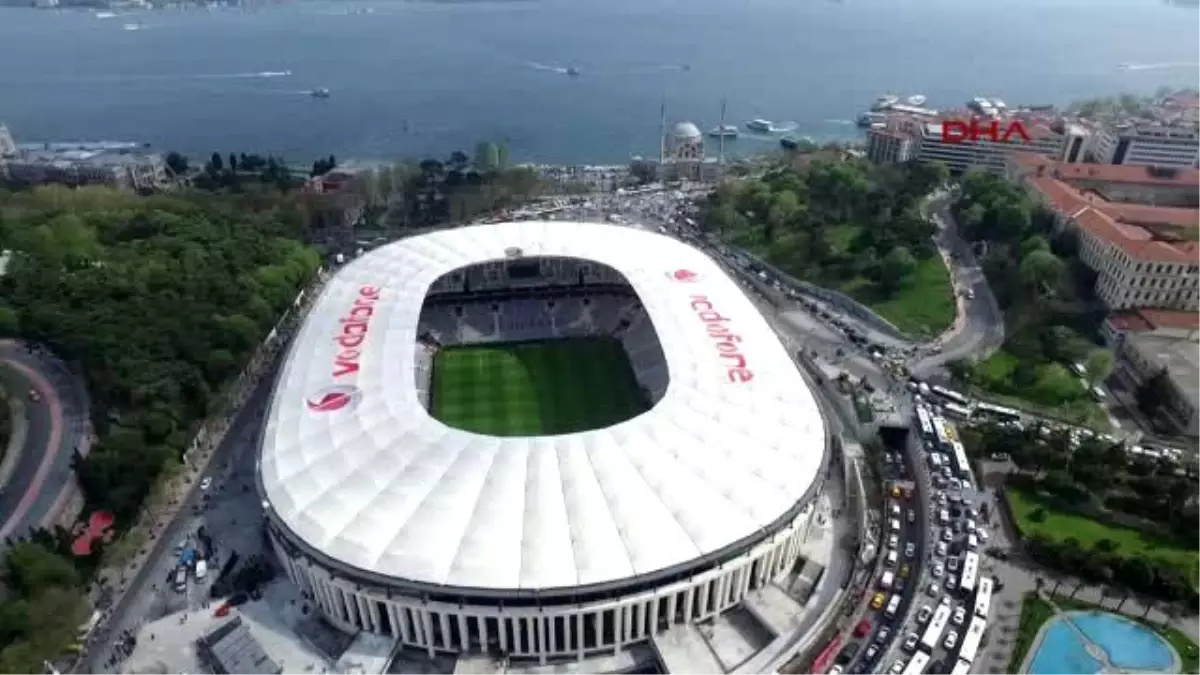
(884, 102)
(760, 125)
(105, 15)
(726, 130)
(917, 99)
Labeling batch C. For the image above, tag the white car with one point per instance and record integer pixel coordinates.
(952, 564)
(897, 667)
(894, 541)
(938, 570)
(924, 613)
(960, 615)
(910, 549)
(947, 535)
(910, 643)
(951, 639)
(940, 549)
(935, 589)
(206, 483)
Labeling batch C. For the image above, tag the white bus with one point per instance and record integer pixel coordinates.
(917, 665)
(950, 395)
(969, 648)
(970, 571)
(983, 597)
(937, 625)
(961, 668)
(960, 460)
(923, 419)
(957, 411)
(998, 412)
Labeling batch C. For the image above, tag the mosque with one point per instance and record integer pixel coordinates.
(681, 157)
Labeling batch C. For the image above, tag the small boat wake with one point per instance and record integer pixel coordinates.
(1156, 66)
(841, 122)
(548, 69)
(784, 127)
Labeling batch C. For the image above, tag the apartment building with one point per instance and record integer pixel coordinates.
(1148, 145)
(1144, 256)
(885, 146)
(1066, 144)
(1149, 342)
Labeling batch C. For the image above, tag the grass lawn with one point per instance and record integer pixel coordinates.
(1058, 525)
(925, 307)
(1056, 392)
(535, 388)
(1034, 613)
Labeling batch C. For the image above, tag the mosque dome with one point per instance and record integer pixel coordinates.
(685, 130)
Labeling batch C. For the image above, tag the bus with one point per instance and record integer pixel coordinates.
(983, 597)
(960, 460)
(969, 647)
(945, 435)
(950, 395)
(998, 412)
(936, 626)
(917, 665)
(961, 668)
(970, 571)
(923, 419)
(957, 411)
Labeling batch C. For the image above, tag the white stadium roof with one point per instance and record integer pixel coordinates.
(381, 486)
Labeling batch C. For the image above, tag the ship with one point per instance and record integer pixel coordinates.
(868, 118)
(789, 143)
(572, 72)
(916, 99)
(726, 130)
(759, 125)
(319, 93)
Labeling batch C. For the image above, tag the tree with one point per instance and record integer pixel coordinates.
(217, 164)
(1154, 393)
(9, 322)
(487, 157)
(177, 163)
(897, 267)
(1040, 272)
(1099, 366)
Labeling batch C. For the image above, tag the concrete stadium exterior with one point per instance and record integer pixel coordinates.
(542, 548)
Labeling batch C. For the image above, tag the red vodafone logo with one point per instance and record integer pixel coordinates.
(335, 398)
(684, 276)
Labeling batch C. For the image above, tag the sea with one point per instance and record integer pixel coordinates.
(414, 79)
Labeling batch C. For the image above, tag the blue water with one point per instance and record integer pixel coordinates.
(414, 78)
(1129, 646)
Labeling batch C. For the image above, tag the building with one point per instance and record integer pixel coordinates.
(1149, 145)
(336, 202)
(1059, 142)
(1150, 342)
(1144, 256)
(123, 165)
(537, 548)
(887, 146)
(681, 158)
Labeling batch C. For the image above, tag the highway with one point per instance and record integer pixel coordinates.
(56, 426)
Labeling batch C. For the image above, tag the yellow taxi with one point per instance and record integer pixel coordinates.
(904, 570)
(897, 493)
(877, 601)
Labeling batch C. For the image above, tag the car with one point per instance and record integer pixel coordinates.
(938, 570)
(935, 589)
(895, 510)
(893, 541)
(960, 615)
(999, 456)
(898, 586)
(924, 613)
(894, 524)
(939, 549)
(34, 395)
(955, 484)
(941, 498)
(206, 483)
(892, 558)
(955, 512)
(904, 571)
(878, 600)
(973, 513)
(836, 670)
(912, 516)
(910, 549)
(871, 653)
(947, 535)
(896, 492)
(970, 526)
(862, 628)
(897, 667)
(952, 564)
(951, 639)
(983, 536)
(883, 634)
(910, 642)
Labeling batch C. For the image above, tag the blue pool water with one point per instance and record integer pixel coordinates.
(1128, 645)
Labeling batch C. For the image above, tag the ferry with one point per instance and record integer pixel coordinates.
(725, 130)
(760, 125)
(319, 93)
(869, 118)
(916, 99)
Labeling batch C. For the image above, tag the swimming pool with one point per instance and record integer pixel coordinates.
(1115, 642)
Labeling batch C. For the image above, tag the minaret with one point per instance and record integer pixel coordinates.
(721, 155)
(662, 131)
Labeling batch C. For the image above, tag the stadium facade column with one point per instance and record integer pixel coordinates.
(579, 634)
(463, 642)
(671, 602)
(653, 615)
(502, 624)
(688, 599)
(427, 627)
(481, 621)
(539, 636)
(618, 629)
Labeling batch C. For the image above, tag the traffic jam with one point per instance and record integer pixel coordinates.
(938, 628)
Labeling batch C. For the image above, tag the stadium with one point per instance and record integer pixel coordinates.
(536, 440)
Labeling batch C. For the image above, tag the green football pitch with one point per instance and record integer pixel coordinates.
(535, 388)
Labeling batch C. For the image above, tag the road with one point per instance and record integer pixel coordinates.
(979, 328)
(57, 425)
